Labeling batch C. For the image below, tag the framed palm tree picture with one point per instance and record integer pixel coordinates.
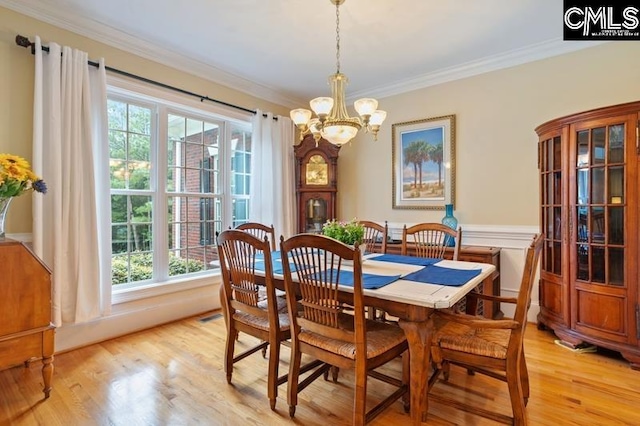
(423, 155)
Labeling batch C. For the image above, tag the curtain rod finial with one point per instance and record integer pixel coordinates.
(24, 42)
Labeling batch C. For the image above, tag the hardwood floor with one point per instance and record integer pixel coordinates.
(172, 375)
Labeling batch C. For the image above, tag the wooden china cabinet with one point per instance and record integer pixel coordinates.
(316, 183)
(590, 217)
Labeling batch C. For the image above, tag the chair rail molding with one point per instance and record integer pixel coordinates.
(503, 236)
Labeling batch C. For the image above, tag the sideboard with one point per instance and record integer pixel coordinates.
(26, 331)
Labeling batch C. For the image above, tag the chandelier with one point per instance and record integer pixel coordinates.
(332, 122)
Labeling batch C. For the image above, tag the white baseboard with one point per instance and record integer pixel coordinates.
(130, 317)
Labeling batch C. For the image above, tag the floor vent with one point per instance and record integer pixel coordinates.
(210, 318)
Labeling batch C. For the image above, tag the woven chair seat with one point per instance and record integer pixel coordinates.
(281, 304)
(478, 341)
(263, 322)
(381, 337)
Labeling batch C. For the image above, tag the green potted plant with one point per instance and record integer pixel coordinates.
(350, 233)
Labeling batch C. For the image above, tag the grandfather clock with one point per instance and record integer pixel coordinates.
(316, 183)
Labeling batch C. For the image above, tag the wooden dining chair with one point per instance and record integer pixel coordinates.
(491, 347)
(430, 240)
(249, 307)
(322, 330)
(260, 230)
(375, 236)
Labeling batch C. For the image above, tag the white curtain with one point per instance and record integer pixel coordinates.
(70, 146)
(273, 199)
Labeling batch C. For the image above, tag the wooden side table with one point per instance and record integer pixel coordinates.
(490, 286)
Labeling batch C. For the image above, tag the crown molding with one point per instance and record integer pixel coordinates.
(94, 30)
(115, 38)
(512, 58)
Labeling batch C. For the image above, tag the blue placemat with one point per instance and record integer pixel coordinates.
(276, 263)
(409, 260)
(369, 281)
(444, 276)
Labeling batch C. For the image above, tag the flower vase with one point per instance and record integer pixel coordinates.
(363, 248)
(450, 220)
(4, 208)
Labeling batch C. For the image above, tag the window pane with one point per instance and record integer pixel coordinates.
(616, 185)
(557, 223)
(176, 128)
(194, 130)
(597, 185)
(557, 258)
(548, 257)
(131, 221)
(616, 266)
(583, 186)
(117, 113)
(190, 181)
(557, 185)
(616, 225)
(598, 264)
(117, 144)
(583, 228)
(548, 218)
(616, 143)
(597, 143)
(139, 147)
(240, 211)
(597, 225)
(129, 145)
(139, 120)
(557, 153)
(583, 262)
(139, 175)
(583, 148)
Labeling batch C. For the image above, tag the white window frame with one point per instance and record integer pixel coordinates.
(172, 102)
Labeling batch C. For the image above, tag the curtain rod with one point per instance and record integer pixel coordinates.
(24, 42)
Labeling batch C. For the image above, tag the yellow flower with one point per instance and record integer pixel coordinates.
(16, 177)
(14, 167)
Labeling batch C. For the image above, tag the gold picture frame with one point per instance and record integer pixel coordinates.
(424, 166)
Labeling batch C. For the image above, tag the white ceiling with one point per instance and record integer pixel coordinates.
(283, 50)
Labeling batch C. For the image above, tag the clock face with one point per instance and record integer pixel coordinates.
(317, 171)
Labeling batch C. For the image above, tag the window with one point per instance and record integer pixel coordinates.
(178, 177)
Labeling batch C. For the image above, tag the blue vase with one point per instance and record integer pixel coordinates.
(450, 220)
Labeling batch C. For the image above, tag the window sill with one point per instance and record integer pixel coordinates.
(158, 289)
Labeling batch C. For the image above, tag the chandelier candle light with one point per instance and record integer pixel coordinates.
(333, 122)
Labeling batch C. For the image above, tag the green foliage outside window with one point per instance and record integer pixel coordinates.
(142, 267)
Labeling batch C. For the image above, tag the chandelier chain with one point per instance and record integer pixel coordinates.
(338, 36)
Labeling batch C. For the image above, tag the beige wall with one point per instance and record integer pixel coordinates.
(16, 89)
(496, 114)
(496, 154)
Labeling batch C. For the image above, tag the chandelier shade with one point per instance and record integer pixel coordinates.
(332, 121)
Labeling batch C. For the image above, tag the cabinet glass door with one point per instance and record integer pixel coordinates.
(551, 174)
(599, 204)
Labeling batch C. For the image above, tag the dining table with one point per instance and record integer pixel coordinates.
(410, 289)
